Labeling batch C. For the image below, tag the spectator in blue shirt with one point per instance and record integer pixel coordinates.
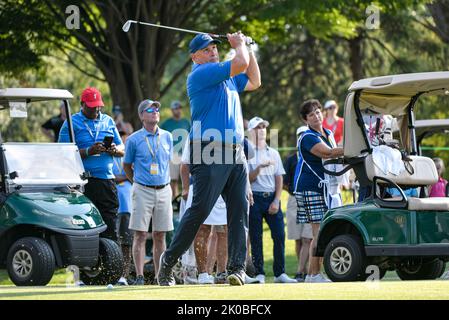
(213, 88)
(148, 153)
(90, 126)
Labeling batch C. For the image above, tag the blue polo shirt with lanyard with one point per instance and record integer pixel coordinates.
(150, 153)
(87, 132)
(215, 102)
(306, 180)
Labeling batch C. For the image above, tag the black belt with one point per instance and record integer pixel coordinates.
(263, 194)
(162, 186)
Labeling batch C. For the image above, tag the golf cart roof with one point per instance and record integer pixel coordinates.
(388, 95)
(33, 94)
(408, 84)
(425, 128)
(432, 125)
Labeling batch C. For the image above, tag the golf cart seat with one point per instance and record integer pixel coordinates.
(423, 169)
(424, 174)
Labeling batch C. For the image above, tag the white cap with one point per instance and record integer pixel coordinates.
(329, 103)
(301, 130)
(254, 122)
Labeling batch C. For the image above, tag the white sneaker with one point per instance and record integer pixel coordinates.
(249, 280)
(122, 282)
(261, 278)
(205, 278)
(283, 278)
(316, 278)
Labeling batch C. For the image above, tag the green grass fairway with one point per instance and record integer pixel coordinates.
(400, 290)
(389, 288)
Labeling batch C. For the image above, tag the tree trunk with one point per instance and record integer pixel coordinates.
(355, 46)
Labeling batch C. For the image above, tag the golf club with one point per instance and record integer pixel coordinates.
(128, 23)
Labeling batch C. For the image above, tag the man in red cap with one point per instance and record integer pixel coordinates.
(91, 127)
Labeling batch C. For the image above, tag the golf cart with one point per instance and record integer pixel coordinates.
(387, 229)
(45, 220)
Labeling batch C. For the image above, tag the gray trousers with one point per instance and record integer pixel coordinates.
(209, 182)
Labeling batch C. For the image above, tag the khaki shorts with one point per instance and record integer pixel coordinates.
(175, 165)
(151, 204)
(296, 231)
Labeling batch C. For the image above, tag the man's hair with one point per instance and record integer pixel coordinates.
(309, 106)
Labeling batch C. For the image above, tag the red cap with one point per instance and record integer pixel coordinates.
(92, 97)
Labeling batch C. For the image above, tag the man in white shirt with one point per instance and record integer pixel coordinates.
(265, 176)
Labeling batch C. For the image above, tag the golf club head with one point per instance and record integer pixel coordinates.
(127, 25)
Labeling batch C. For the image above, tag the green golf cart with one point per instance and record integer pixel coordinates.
(45, 220)
(396, 226)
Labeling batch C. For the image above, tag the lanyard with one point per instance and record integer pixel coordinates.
(153, 153)
(119, 163)
(97, 131)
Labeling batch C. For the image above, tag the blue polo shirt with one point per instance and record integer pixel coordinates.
(215, 102)
(87, 132)
(138, 153)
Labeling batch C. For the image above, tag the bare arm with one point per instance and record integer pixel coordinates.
(253, 174)
(253, 73)
(241, 61)
(129, 171)
(185, 172)
(321, 150)
(274, 206)
(278, 181)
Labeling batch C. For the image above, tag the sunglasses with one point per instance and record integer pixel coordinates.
(152, 110)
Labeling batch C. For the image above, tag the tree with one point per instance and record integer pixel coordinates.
(132, 63)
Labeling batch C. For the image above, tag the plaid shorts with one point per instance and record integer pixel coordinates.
(311, 207)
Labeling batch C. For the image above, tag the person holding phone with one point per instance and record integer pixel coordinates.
(98, 141)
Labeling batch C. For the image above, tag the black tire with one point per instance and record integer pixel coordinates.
(109, 268)
(349, 247)
(424, 271)
(38, 257)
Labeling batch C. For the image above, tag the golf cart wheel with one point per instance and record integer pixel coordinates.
(30, 262)
(422, 271)
(344, 259)
(109, 268)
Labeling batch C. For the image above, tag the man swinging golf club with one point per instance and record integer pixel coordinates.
(213, 89)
